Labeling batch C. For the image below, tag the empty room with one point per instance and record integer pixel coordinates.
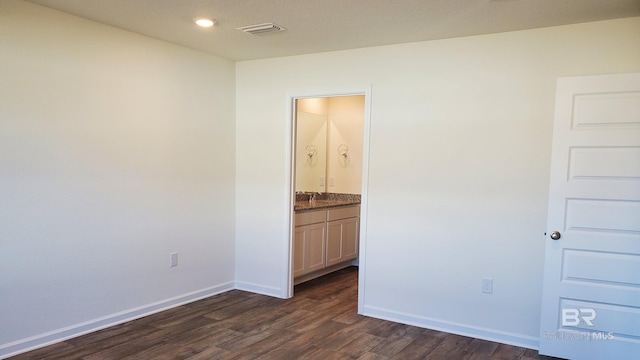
(372, 179)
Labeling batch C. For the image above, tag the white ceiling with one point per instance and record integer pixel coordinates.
(326, 25)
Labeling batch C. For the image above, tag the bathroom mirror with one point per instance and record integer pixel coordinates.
(311, 153)
(329, 143)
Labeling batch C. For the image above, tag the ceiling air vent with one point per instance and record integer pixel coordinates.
(262, 28)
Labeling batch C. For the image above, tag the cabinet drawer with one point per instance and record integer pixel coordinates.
(310, 217)
(343, 213)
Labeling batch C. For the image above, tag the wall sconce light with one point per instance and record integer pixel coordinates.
(343, 150)
(311, 151)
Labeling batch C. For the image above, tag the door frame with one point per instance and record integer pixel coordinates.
(290, 193)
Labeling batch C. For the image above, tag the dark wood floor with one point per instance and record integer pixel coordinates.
(320, 322)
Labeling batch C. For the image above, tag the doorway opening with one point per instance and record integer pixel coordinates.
(329, 163)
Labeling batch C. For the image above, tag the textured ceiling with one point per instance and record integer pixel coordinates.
(327, 25)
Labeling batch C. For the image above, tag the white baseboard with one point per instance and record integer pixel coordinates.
(55, 336)
(260, 289)
(508, 338)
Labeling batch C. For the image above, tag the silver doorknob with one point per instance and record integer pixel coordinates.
(556, 235)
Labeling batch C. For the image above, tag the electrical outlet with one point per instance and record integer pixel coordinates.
(173, 259)
(487, 285)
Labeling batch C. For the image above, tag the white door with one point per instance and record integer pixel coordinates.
(591, 292)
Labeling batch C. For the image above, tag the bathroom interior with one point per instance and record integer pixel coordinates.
(329, 134)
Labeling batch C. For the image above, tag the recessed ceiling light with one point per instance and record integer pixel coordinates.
(204, 22)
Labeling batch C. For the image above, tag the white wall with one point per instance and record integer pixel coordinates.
(459, 164)
(346, 126)
(115, 149)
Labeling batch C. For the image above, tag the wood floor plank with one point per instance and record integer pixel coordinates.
(261, 347)
(449, 345)
(318, 336)
(360, 344)
(217, 337)
(348, 316)
(395, 343)
(238, 307)
(111, 333)
(506, 352)
(372, 356)
(421, 346)
(209, 353)
(260, 318)
(128, 348)
(246, 340)
(210, 335)
(385, 328)
(322, 353)
(289, 351)
(161, 351)
(340, 338)
(479, 349)
(291, 318)
(310, 322)
(319, 322)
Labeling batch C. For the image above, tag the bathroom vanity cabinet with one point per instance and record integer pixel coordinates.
(309, 242)
(342, 234)
(325, 240)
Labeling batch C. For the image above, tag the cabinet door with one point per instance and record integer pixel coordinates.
(350, 237)
(308, 248)
(342, 240)
(298, 250)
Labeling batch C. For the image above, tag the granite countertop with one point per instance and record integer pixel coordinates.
(305, 205)
(324, 200)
